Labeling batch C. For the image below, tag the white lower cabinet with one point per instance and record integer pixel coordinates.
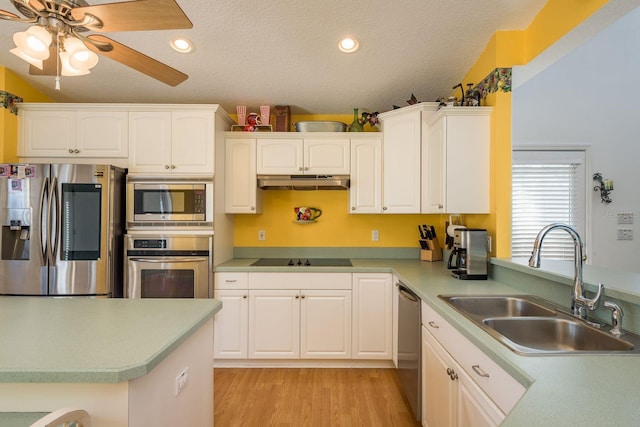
(372, 316)
(306, 324)
(274, 324)
(231, 324)
(461, 386)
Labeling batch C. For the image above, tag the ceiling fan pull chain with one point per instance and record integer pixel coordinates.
(58, 61)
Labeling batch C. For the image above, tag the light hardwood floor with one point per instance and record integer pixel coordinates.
(309, 397)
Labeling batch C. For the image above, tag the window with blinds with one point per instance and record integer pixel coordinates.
(547, 186)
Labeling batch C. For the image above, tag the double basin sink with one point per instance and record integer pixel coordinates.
(533, 326)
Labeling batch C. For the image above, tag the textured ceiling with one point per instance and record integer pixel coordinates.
(284, 52)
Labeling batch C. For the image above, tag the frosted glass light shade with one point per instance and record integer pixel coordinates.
(80, 58)
(34, 42)
(20, 54)
(67, 68)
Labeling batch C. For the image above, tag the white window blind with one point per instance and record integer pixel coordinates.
(547, 186)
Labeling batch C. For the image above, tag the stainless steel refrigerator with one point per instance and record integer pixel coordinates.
(62, 229)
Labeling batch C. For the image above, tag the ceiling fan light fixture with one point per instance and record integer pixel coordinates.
(33, 61)
(34, 42)
(348, 45)
(67, 69)
(182, 45)
(80, 58)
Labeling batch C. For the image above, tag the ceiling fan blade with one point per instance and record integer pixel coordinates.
(136, 15)
(138, 61)
(8, 15)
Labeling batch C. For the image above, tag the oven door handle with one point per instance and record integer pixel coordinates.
(168, 260)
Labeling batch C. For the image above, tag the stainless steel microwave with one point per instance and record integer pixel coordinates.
(158, 203)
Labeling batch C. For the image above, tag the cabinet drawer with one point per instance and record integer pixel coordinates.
(300, 281)
(501, 387)
(232, 280)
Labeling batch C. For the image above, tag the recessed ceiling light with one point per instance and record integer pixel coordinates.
(182, 45)
(348, 45)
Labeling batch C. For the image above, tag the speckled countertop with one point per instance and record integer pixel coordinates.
(94, 340)
(566, 390)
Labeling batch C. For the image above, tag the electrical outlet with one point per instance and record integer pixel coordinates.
(181, 381)
(375, 235)
(625, 217)
(488, 243)
(262, 235)
(625, 234)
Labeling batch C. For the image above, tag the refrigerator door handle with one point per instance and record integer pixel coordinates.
(55, 201)
(44, 232)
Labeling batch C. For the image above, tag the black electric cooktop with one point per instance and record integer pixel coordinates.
(302, 262)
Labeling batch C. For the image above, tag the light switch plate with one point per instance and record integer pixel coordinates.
(625, 217)
(625, 234)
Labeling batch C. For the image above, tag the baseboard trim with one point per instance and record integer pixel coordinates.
(301, 363)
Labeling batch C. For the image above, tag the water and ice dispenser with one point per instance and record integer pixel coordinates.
(15, 216)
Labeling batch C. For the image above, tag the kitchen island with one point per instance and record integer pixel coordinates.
(118, 359)
(590, 390)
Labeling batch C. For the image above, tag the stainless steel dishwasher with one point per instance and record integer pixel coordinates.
(409, 361)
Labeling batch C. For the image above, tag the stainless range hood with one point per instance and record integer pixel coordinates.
(303, 182)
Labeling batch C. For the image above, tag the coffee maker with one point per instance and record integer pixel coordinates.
(470, 254)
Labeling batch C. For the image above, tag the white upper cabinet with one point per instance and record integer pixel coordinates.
(66, 130)
(241, 193)
(365, 192)
(401, 157)
(172, 141)
(456, 161)
(302, 155)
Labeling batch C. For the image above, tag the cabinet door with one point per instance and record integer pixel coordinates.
(474, 408)
(274, 324)
(435, 165)
(401, 163)
(192, 142)
(467, 172)
(37, 138)
(372, 316)
(231, 325)
(365, 192)
(325, 324)
(326, 156)
(280, 156)
(438, 388)
(150, 141)
(241, 193)
(102, 133)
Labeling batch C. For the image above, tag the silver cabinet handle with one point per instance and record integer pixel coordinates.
(300, 168)
(353, 208)
(253, 208)
(297, 296)
(434, 325)
(384, 208)
(70, 150)
(303, 296)
(76, 151)
(166, 166)
(477, 370)
(306, 168)
(440, 206)
(173, 166)
(244, 296)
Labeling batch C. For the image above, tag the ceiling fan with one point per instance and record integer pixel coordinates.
(56, 45)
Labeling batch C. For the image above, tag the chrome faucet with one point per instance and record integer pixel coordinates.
(579, 302)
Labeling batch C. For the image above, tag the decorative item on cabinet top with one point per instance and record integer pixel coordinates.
(253, 122)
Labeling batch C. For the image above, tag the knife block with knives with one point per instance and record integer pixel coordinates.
(430, 248)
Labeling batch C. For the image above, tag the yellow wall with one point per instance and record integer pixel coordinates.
(338, 227)
(10, 82)
(506, 49)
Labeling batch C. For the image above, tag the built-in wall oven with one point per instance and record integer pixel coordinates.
(168, 266)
